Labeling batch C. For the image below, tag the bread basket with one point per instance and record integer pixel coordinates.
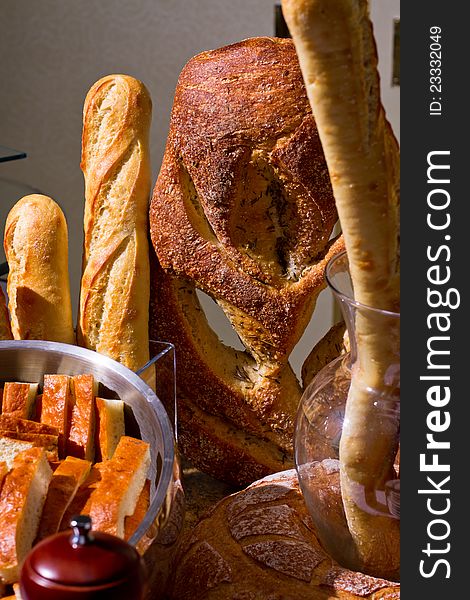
(28, 361)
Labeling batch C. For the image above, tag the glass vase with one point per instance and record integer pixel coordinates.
(321, 417)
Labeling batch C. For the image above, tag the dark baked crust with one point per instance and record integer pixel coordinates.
(243, 210)
(261, 544)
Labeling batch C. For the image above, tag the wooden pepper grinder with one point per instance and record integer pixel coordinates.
(83, 565)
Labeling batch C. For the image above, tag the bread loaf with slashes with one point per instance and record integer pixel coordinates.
(242, 210)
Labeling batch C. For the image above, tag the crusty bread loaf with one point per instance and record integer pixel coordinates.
(36, 248)
(114, 295)
(56, 405)
(122, 479)
(261, 543)
(109, 427)
(338, 58)
(5, 328)
(18, 399)
(243, 210)
(82, 495)
(21, 502)
(80, 441)
(66, 480)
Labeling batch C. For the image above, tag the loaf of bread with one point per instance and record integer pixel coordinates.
(336, 49)
(242, 210)
(21, 502)
(114, 295)
(36, 248)
(261, 543)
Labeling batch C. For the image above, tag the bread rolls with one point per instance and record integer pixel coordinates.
(36, 248)
(261, 543)
(336, 49)
(243, 210)
(114, 294)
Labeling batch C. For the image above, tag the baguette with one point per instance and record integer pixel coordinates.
(21, 502)
(36, 248)
(114, 296)
(336, 50)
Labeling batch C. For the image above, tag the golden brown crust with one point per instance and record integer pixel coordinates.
(36, 248)
(259, 544)
(117, 492)
(56, 404)
(114, 294)
(21, 501)
(12, 423)
(80, 442)
(18, 399)
(236, 213)
(66, 479)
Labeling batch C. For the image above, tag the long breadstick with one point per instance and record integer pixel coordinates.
(115, 284)
(335, 45)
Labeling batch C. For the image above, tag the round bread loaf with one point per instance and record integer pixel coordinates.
(242, 210)
(261, 544)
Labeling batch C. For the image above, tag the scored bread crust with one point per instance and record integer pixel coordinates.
(261, 544)
(114, 294)
(36, 248)
(243, 210)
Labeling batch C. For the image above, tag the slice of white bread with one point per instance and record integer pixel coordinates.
(122, 480)
(109, 427)
(56, 404)
(10, 447)
(18, 398)
(66, 480)
(21, 502)
(80, 442)
(12, 423)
